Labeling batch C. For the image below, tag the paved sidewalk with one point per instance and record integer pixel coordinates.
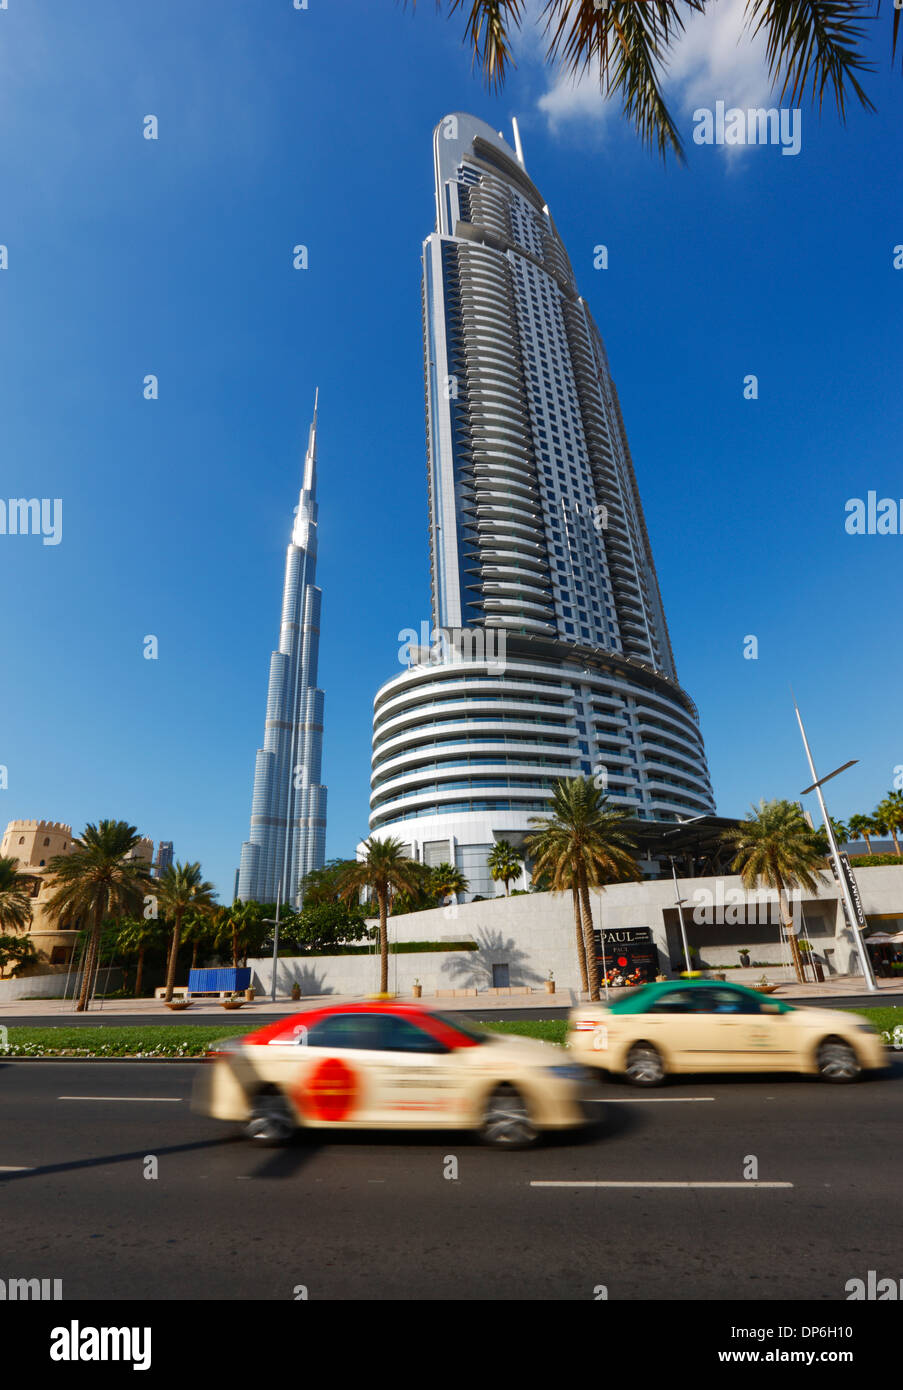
(846, 986)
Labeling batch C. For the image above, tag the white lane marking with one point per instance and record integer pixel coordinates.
(551, 1183)
(7, 1168)
(172, 1099)
(649, 1100)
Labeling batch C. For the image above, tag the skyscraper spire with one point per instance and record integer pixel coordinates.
(288, 810)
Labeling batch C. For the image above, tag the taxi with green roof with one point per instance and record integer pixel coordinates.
(689, 1025)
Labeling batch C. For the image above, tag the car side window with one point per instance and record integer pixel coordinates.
(677, 1001)
(725, 1001)
(400, 1035)
(345, 1030)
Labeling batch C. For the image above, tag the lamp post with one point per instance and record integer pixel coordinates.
(817, 783)
(274, 921)
(680, 901)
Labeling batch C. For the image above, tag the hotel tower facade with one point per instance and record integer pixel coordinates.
(288, 808)
(555, 658)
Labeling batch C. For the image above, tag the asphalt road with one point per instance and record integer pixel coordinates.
(372, 1216)
(97, 1018)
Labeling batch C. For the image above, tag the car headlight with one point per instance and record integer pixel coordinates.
(570, 1073)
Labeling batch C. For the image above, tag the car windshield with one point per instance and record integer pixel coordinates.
(463, 1025)
(626, 1000)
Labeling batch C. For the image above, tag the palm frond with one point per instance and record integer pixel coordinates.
(488, 26)
(813, 42)
(629, 43)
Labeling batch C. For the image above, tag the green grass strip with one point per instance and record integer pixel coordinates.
(193, 1039)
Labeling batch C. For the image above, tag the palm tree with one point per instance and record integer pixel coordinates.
(776, 846)
(445, 880)
(504, 863)
(816, 46)
(198, 931)
(225, 925)
(864, 826)
(15, 896)
(383, 871)
(889, 814)
(582, 844)
(96, 880)
(181, 888)
(135, 935)
(242, 926)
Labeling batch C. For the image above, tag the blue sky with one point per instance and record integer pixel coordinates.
(173, 257)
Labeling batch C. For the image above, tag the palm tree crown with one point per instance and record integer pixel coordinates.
(445, 880)
(889, 816)
(15, 896)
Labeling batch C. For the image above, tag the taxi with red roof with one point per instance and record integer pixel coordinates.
(379, 1065)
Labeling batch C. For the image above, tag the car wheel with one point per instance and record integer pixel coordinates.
(271, 1122)
(837, 1061)
(644, 1066)
(506, 1120)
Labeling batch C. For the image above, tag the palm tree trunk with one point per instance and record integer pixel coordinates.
(173, 957)
(868, 843)
(140, 971)
(581, 949)
(893, 831)
(787, 920)
(90, 961)
(194, 955)
(592, 966)
(383, 946)
(235, 947)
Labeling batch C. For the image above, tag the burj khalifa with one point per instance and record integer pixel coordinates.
(288, 809)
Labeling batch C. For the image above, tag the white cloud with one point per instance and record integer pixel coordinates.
(716, 59)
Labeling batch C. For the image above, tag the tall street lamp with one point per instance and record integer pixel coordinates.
(274, 921)
(839, 867)
(679, 900)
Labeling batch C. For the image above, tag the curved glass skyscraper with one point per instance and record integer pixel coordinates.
(558, 660)
(288, 810)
